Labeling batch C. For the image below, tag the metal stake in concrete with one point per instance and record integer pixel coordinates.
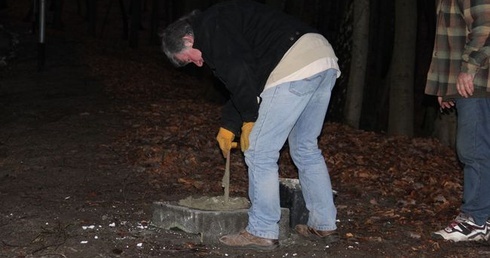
(226, 179)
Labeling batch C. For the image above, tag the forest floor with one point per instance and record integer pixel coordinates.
(88, 143)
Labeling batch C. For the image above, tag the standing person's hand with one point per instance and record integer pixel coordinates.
(445, 104)
(225, 140)
(246, 129)
(464, 84)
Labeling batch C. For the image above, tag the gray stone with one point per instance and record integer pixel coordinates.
(291, 197)
(209, 224)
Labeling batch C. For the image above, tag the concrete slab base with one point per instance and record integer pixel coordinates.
(209, 224)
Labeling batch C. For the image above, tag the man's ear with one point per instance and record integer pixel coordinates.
(188, 40)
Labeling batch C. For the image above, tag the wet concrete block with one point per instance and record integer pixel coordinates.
(209, 224)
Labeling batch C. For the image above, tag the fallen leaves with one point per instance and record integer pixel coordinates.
(382, 180)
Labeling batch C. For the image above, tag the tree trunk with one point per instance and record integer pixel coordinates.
(135, 10)
(155, 17)
(57, 13)
(342, 43)
(360, 43)
(3, 4)
(402, 70)
(92, 17)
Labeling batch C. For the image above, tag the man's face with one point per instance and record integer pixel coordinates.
(190, 55)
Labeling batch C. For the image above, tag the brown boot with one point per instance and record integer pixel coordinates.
(325, 236)
(248, 241)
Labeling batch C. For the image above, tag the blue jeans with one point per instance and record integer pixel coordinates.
(473, 147)
(293, 111)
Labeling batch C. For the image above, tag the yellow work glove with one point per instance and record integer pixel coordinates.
(246, 129)
(225, 140)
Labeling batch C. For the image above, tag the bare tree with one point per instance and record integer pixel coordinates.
(402, 69)
(359, 54)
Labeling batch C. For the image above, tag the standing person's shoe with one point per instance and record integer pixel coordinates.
(463, 228)
(325, 236)
(246, 240)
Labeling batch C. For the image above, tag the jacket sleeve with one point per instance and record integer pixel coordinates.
(230, 118)
(235, 64)
(240, 80)
(477, 48)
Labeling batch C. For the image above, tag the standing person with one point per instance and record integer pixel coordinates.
(280, 74)
(459, 76)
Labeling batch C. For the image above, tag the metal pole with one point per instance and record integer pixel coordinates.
(42, 26)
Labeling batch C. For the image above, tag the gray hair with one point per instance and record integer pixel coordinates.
(173, 37)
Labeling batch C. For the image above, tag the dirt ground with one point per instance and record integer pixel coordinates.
(71, 186)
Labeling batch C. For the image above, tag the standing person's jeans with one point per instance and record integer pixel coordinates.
(292, 111)
(473, 146)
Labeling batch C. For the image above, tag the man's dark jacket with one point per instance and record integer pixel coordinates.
(242, 42)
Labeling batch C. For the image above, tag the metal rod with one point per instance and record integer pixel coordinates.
(42, 20)
(41, 49)
(226, 179)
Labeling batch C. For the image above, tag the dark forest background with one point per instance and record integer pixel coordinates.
(141, 21)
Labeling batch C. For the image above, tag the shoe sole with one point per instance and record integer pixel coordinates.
(439, 237)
